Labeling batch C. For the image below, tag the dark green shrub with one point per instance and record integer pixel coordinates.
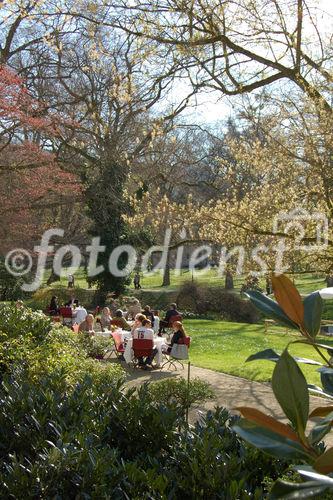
(159, 300)
(98, 440)
(193, 297)
(31, 340)
(42, 297)
(10, 286)
(204, 300)
(95, 347)
(176, 392)
(217, 464)
(232, 307)
(15, 322)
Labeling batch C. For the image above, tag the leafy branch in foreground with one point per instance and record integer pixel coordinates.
(291, 390)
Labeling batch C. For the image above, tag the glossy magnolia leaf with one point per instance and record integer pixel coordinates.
(291, 391)
(267, 354)
(271, 355)
(266, 421)
(308, 472)
(286, 490)
(322, 346)
(288, 298)
(289, 491)
(324, 463)
(326, 377)
(269, 441)
(313, 309)
(319, 431)
(326, 293)
(307, 361)
(318, 390)
(270, 308)
(321, 411)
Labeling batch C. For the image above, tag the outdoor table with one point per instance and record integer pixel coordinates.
(124, 334)
(159, 342)
(105, 334)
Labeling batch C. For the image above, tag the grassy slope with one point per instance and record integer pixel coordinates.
(305, 282)
(224, 347)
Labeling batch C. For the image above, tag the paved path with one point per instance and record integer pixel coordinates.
(230, 391)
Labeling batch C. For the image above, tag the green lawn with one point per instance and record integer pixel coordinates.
(224, 347)
(80, 278)
(306, 283)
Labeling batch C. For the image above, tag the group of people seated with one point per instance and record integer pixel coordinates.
(143, 323)
(142, 329)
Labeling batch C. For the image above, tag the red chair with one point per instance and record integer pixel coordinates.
(173, 319)
(171, 360)
(66, 312)
(142, 348)
(67, 315)
(119, 348)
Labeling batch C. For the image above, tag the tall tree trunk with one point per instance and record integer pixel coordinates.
(229, 281)
(104, 195)
(52, 278)
(166, 273)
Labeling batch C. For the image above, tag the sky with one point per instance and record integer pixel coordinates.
(213, 107)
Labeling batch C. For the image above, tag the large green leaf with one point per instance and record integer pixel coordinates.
(318, 390)
(291, 391)
(307, 361)
(319, 431)
(317, 484)
(288, 298)
(313, 308)
(270, 308)
(309, 472)
(284, 490)
(326, 377)
(324, 463)
(269, 441)
(271, 355)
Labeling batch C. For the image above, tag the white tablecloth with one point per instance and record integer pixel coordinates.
(159, 342)
(124, 334)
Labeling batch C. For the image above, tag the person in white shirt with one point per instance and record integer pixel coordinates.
(137, 322)
(79, 314)
(147, 333)
(156, 322)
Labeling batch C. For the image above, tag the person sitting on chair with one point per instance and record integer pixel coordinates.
(168, 315)
(178, 334)
(147, 333)
(105, 319)
(80, 313)
(137, 322)
(156, 323)
(54, 307)
(133, 308)
(119, 316)
(149, 314)
(87, 325)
